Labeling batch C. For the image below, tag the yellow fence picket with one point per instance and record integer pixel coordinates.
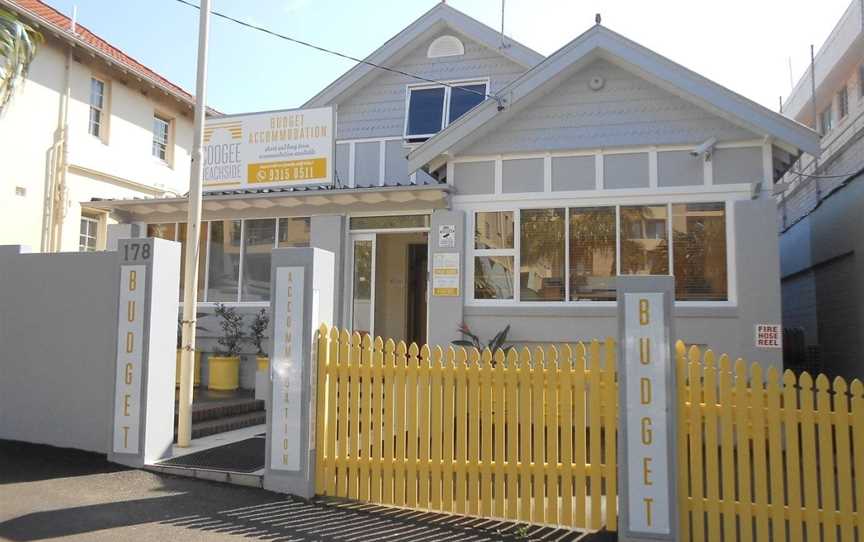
(399, 425)
(487, 410)
(775, 456)
(550, 450)
(423, 413)
(473, 462)
(843, 455)
(595, 407)
(808, 454)
(610, 432)
(712, 489)
(389, 436)
(695, 432)
(793, 458)
(525, 435)
(682, 367)
(377, 432)
(461, 454)
(512, 464)
(435, 433)
(499, 396)
(857, 416)
(580, 435)
(450, 428)
(826, 458)
(727, 449)
(411, 424)
(364, 437)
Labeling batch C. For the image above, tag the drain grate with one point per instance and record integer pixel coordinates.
(242, 456)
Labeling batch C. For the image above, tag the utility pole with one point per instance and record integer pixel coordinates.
(193, 236)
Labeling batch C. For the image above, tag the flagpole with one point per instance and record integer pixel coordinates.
(193, 236)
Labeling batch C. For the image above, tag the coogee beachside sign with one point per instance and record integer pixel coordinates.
(647, 402)
(287, 367)
(264, 150)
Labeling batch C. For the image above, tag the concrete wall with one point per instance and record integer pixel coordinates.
(627, 111)
(115, 166)
(58, 347)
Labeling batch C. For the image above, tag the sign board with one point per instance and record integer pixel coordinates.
(445, 274)
(647, 402)
(130, 338)
(447, 236)
(287, 369)
(292, 147)
(769, 336)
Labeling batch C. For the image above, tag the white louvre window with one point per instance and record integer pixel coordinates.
(445, 46)
(161, 130)
(97, 104)
(432, 107)
(843, 102)
(88, 234)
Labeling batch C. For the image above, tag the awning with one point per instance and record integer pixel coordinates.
(268, 203)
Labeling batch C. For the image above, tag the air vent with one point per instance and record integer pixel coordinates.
(445, 46)
(20, 191)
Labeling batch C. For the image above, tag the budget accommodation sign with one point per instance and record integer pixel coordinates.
(292, 147)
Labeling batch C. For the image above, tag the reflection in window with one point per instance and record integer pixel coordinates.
(224, 262)
(493, 277)
(493, 230)
(699, 251)
(258, 240)
(425, 111)
(362, 292)
(541, 255)
(294, 232)
(202, 256)
(592, 254)
(644, 240)
(162, 231)
(389, 222)
(465, 98)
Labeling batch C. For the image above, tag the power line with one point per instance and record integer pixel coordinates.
(342, 55)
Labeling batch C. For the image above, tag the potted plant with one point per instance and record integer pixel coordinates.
(196, 372)
(224, 367)
(256, 337)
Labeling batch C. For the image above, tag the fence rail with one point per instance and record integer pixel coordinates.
(768, 457)
(524, 436)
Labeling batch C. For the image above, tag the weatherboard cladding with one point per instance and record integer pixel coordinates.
(378, 109)
(627, 111)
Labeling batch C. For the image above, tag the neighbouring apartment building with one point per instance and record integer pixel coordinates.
(88, 122)
(821, 209)
(537, 179)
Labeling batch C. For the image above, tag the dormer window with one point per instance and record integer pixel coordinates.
(431, 108)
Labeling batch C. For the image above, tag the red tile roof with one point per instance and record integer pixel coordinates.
(48, 16)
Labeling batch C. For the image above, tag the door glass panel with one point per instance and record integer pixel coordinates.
(363, 277)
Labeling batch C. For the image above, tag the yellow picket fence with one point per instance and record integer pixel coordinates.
(525, 436)
(768, 457)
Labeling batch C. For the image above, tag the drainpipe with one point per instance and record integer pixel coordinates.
(59, 158)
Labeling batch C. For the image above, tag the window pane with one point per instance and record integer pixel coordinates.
(95, 121)
(361, 319)
(541, 257)
(644, 243)
(162, 231)
(426, 108)
(224, 263)
(592, 254)
(493, 277)
(294, 232)
(493, 230)
(258, 241)
(463, 99)
(389, 222)
(699, 251)
(97, 93)
(202, 254)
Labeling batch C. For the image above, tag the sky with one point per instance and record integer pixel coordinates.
(745, 45)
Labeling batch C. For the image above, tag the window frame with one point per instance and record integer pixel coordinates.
(169, 143)
(94, 221)
(445, 113)
(516, 302)
(103, 109)
(205, 229)
(842, 103)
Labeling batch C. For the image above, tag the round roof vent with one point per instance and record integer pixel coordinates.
(445, 46)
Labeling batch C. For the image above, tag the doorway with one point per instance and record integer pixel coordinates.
(389, 285)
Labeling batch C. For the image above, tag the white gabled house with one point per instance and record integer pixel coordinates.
(554, 176)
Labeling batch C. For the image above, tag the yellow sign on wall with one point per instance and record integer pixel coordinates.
(276, 148)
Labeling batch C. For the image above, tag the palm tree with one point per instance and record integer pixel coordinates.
(18, 43)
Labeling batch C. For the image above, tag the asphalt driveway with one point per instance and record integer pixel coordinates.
(53, 493)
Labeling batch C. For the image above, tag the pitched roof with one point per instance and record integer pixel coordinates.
(440, 16)
(43, 14)
(600, 42)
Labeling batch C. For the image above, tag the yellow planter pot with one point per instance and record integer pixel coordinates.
(196, 372)
(263, 363)
(224, 373)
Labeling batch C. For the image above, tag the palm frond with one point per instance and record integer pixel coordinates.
(18, 45)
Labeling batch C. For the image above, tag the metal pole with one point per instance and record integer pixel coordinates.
(193, 236)
(815, 119)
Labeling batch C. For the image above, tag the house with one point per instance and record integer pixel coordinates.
(89, 122)
(821, 205)
(532, 181)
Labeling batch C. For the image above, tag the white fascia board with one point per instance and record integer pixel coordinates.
(601, 42)
(402, 43)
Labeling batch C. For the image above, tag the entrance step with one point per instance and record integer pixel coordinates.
(212, 475)
(224, 424)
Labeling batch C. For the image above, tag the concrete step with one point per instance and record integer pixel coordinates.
(222, 409)
(225, 477)
(227, 423)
